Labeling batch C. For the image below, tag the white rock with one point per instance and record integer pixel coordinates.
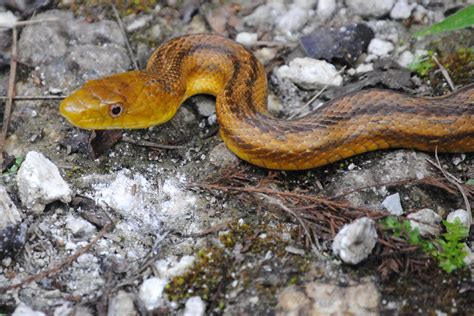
(24, 310)
(246, 38)
(355, 241)
(205, 105)
(402, 10)
(426, 220)
(169, 268)
(122, 305)
(9, 214)
(79, 226)
(151, 292)
(463, 216)
(7, 19)
(326, 8)
(406, 58)
(194, 306)
(139, 23)
(362, 68)
(39, 183)
(380, 47)
(469, 258)
(393, 205)
(292, 20)
(265, 54)
(310, 73)
(458, 159)
(375, 8)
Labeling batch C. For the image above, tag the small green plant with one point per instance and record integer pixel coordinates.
(448, 249)
(423, 65)
(14, 168)
(464, 18)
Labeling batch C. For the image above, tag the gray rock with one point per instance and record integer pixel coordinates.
(392, 167)
(246, 38)
(427, 222)
(393, 204)
(310, 73)
(39, 183)
(194, 306)
(9, 214)
(79, 227)
(366, 8)
(206, 106)
(220, 156)
(345, 43)
(292, 20)
(329, 299)
(406, 58)
(463, 216)
(122, 305)
(355, 241)
(89, 49)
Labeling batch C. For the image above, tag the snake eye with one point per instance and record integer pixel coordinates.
(115, 109)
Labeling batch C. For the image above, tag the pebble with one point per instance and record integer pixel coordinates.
(346, 43)
(7, 19)
(40, 183)
(463, 216)
(380, 47)
(156, 32)
(406, 58)
(205, 105)
(122, 305)
(169, 267)
(246, 38)
(150, 293)
(355, 241)
(326, 8)
(426, 220)
(9, 214)
(393, 204)
(402, 10)
(458, 159)
(265, 54)
(79, 227)
(374, 8)
(194, 306)
(310, 73)
(293, 20)
(139, 23)
(24, 310)
(220, 156)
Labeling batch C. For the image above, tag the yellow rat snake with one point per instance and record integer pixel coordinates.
(345, 126)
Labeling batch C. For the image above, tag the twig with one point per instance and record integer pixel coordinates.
(456, 183)
(145, 143)
(29, 22)
(10, 95)
(444, 72)
(124, 33)
(34, 97)
(57, 268)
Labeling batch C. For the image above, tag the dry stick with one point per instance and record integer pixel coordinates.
(34, 97)
(124, 34)
(57, 268)
(456, 183)
(24, 23)
(144, 143)
(10, 95)
(444, 72)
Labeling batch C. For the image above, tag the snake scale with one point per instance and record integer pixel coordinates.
(352, 124)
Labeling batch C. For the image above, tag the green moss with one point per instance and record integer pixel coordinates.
(216, 268)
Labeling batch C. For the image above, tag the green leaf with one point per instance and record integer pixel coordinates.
(470, 182)
(462, 19)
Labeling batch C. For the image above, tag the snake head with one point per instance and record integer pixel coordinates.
(127, 100)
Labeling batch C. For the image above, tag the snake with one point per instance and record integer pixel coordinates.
(348, 125)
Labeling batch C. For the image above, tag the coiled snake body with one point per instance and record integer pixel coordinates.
(352, 124)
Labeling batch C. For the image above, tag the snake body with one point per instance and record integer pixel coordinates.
(349, 125)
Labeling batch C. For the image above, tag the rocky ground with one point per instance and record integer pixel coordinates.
(168, 221)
